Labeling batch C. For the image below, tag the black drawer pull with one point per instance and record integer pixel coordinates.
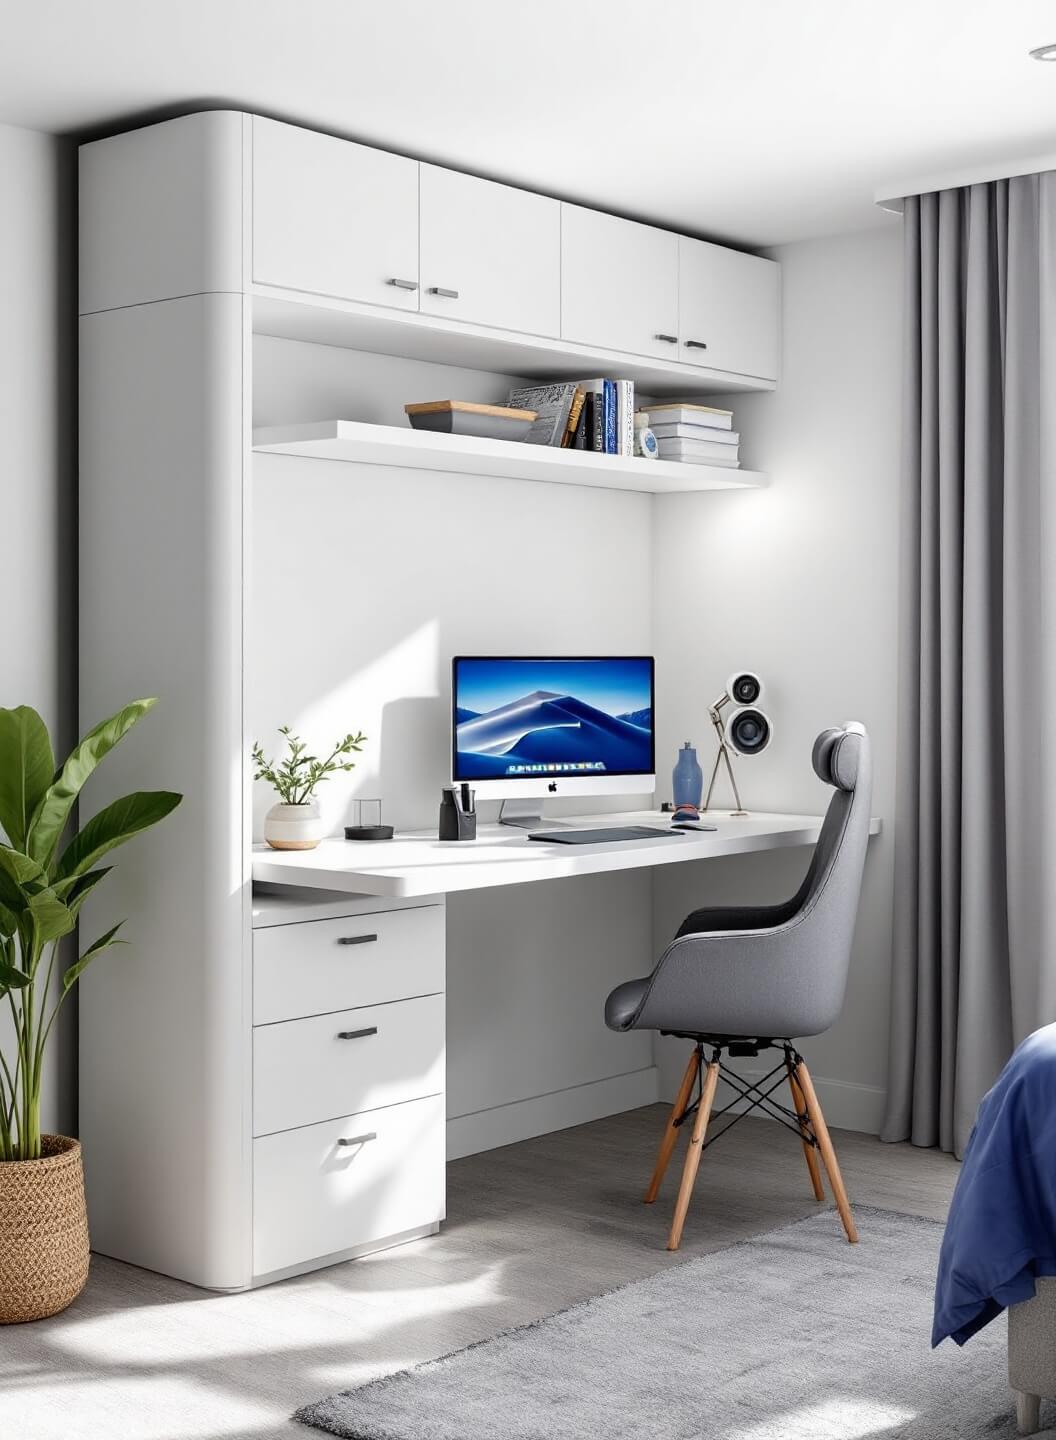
(671, 339)
(357, 1034)
(355, 939)
(358, 1139)
(696, 344)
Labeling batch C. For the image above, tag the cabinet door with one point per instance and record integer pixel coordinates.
(489, 253)
(334, 218)
(729, 309)
(619, 284)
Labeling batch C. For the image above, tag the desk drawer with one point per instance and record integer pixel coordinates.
(321, 965)
(340, 1064)
(313, 1196)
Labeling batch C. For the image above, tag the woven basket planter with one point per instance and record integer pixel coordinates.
(43, 1232)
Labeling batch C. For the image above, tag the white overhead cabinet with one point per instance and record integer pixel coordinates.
(728, 309)
(619, 284)
(490, 254)
(334, 218)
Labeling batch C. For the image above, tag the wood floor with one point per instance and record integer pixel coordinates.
(532, 1228)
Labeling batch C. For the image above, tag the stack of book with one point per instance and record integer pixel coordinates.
(696, 434)
(580, 415)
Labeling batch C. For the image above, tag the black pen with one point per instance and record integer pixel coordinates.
(465, 799)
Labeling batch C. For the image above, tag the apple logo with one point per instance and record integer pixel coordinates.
(552, 787)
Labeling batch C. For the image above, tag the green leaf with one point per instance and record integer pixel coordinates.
(19, 867)
(11, 978)
(114, 825)
(104, 942)
(75, 889)
(26, 770)
(12, 896)
(52, 813)
(49, 917)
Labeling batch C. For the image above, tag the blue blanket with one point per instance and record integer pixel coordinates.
(1001, 1231)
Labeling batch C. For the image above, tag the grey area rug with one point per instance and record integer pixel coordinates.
(794, 1335)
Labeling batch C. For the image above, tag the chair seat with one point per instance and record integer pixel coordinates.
(622, 1005)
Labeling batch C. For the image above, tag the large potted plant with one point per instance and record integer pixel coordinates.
(45, 877)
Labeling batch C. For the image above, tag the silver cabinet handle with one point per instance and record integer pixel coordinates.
(358, 1139)
(696, 344)
(671, 339)
(355, 939)
(439, 290)
(357, 1034)
(403, 284)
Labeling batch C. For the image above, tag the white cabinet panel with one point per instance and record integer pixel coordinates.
(334, 218)
(619, 284)
(494, 249)
(729, 309)
(310, 1070)
(314, 1196)
(336, 964)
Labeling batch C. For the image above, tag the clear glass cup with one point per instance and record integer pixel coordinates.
(366, 813)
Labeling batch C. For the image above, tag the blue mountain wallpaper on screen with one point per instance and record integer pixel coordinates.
(520, 719)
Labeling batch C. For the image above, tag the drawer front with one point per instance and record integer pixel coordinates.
(338, 964)
(313, 1196)
(339, 1064)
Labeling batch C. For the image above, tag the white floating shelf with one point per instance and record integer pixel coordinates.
(363, 444)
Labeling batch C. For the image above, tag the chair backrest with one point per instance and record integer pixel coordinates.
(826, 906)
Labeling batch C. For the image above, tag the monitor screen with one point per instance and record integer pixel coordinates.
(537, 719)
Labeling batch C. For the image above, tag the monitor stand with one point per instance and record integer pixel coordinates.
(526, 815)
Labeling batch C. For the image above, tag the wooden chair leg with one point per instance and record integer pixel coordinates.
(670, 1138)
(828, 1154)
(799, 1105)
(696, 1145)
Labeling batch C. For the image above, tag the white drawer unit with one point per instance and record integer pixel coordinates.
(324, 965)
(348, 1184)
(310, 1070)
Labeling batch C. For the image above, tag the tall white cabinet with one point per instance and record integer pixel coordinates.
(262, 1079)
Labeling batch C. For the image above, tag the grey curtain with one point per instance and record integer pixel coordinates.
(974, 965)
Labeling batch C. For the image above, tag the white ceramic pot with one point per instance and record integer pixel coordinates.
(294, 827)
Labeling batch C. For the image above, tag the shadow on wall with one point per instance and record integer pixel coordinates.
(414, 760)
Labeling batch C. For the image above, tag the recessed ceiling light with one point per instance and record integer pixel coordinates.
(1044, 52)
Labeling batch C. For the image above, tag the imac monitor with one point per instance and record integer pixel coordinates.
(526, 726)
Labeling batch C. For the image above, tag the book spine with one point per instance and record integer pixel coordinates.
(611, 436)
(626, 414)
(583, 437)
(597, 410)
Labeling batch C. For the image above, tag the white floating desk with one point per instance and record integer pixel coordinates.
(416, 864)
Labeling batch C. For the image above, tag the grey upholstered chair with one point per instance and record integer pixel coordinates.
(747, 980)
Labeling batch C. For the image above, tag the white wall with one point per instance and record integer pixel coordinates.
(365, 581)
(38, 516)
(800, 582)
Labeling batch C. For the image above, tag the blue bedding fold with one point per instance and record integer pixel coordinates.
(1001, 1231)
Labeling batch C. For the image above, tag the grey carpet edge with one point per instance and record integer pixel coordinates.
(313, 1414)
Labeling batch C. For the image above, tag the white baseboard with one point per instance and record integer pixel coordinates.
(540, 1114)
(847, 1105)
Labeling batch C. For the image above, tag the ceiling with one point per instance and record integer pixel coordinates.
(752, 121)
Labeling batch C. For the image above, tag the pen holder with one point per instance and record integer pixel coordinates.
(456, 823)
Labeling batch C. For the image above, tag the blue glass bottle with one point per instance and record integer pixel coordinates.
(687, 779)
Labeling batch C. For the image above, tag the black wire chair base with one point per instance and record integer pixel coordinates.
(757, 1096)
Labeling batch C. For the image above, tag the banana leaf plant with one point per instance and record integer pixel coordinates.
(45, 877)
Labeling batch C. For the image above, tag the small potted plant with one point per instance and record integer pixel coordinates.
(45, 878)
(294, 823)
